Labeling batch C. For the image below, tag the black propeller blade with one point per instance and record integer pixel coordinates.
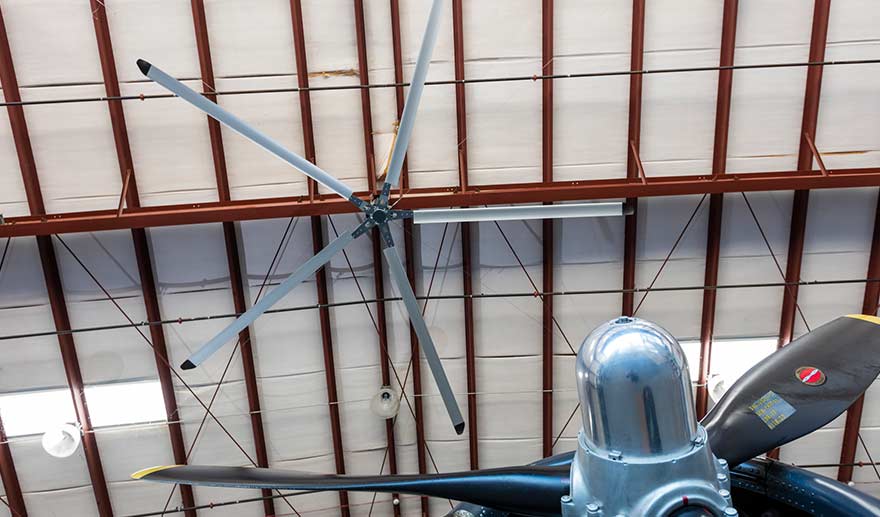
(528, 490)
(796, 390)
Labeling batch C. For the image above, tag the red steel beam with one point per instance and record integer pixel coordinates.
(378, 274)
(460, 97)
(11, 487)
(329, 363)
(139, 239)
(366, 105)
(805, 161)
(434, 197)
(854, 414)
(716, 201)
(25, 158)
(409, 253)
(52, 278)
(637, 55)
(230, 238)
(469, 345)
(466, 262)
(547, 227)
(801, 201)
(302, 73)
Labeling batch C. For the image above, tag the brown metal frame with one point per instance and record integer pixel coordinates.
(11, 487)
(854, 414)
(801, 200)
(230, 238)
(139, 239)
(409, 254)
(302, 73)
(378, 273)
(466, 257)
(52, 278)
(547, 228)
(716, 201)
(805, 161)
(9, 84)
(637, 55)
(433, 197)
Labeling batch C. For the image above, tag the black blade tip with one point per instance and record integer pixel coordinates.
(188, 365)
(144, 66)
(459, 428)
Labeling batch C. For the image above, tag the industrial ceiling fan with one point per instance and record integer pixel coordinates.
(378, 213)
(641, 451)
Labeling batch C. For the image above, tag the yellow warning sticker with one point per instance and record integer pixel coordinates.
(772, 409)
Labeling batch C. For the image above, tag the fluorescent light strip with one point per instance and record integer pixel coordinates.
(33, 412)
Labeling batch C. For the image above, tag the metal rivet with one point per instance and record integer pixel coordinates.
(730, 510)
(566, 499)
(724, 493)
(722, 477)
(592, 507)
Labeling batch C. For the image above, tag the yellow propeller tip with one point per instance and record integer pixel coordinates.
(146, 472)
(865, 317)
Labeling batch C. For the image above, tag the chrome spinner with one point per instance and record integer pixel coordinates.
(641, 451)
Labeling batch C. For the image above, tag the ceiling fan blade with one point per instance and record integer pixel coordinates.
(398, 275)
(530, 490)
(796, 390)
(246, 130)
(297, 277)
(404, 130)
(517, 213)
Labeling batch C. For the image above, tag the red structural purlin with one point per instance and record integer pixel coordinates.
(434, 197)
(716, 201)
(11, 487)
(637, 54)
(230, 239)
(805, 161)
(8, 475)
(302, 73)
(800, 204)
(52, 278)
(139, 239)
(547, 228)
(409, 252)
(854, 414)
(466, 264)
(378, 273)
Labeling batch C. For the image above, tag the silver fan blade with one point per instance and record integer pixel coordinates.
(246, 130)
(404, 130)
(398, 275)
(297, 277)
(517, 213)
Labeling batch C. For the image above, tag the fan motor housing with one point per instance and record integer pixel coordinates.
(641, 450)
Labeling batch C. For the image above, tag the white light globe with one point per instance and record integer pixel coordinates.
(62, 440)
(386, 403)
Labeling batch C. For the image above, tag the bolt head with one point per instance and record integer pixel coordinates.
(566, 499)
(731, 511)
(592, 507)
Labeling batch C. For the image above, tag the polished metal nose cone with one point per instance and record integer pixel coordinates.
(635, 390)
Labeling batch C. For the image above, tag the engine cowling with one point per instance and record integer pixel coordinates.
(640, 449)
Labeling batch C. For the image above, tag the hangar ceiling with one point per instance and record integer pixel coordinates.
(505, 125)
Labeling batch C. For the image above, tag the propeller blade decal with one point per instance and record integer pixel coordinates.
(297, 277)
(796, 390)
(517, 213)
(420, 75)
(530, 490)
(398, 275)
(246, 130)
